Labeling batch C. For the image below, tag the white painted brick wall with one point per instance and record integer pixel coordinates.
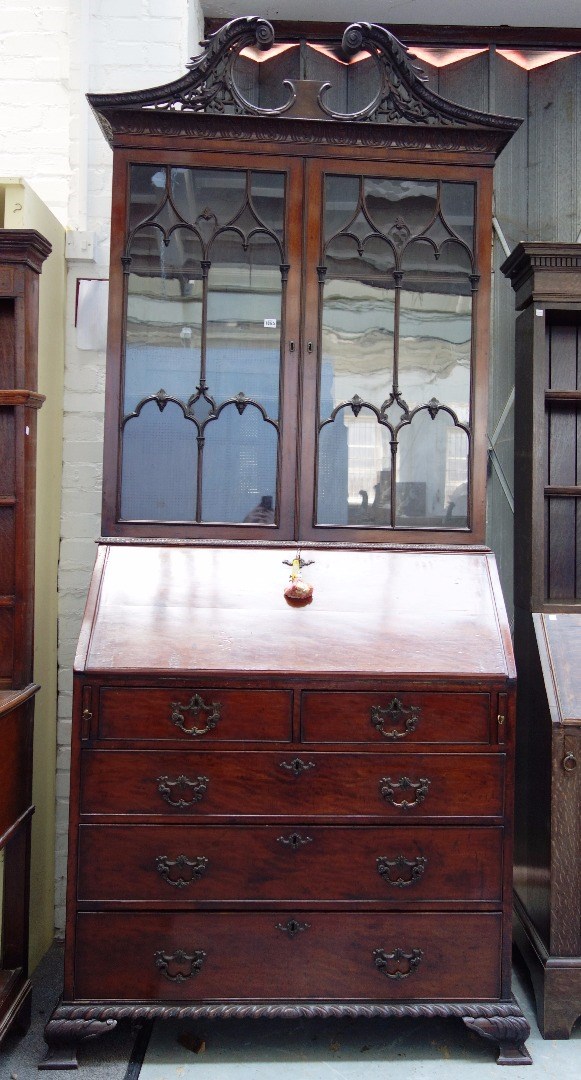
(34, 97)
(118, 46)
(51, 54)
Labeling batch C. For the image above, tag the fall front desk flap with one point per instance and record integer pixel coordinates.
(203, 609)
(559, 642)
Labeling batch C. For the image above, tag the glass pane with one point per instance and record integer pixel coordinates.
(208, 198)
(159, 466)
(434, 350)
(400, 208)
(148, 192)
(354, 479)
(457, 202)
(244, 320)
(432, 474)
(267, 194)
(344, 259)
(356, 343)
(435, 329)
(240, 462)
(341, 197)
(164, 317)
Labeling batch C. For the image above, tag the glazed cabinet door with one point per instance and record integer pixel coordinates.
(207, 408)
(392, 353)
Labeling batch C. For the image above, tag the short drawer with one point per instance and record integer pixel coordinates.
(213, 956)
(395, 718)
(250, 865)
(285, 784)
(195, 715)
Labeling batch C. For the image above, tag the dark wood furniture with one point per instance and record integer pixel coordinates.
(270, 802)
(260, 828)
(547, 283)
(22, 253)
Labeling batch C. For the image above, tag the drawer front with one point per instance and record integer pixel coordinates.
(195, 715)
(282, 955)
(213, 864)
(395, 718)
(241, 784)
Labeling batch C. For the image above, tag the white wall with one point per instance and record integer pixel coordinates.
(118, 46)
(51, 55)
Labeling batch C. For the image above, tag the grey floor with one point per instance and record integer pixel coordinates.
(294, 1050)
(102, 1059)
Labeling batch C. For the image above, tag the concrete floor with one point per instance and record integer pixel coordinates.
(293, 1050)
(101, 1059)
(351, 1050)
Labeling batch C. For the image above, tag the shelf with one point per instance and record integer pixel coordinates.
(563, 492)
(22, 397)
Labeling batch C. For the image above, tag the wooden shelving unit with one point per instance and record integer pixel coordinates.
(22, 253)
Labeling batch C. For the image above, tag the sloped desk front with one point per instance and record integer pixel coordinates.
(283, 810)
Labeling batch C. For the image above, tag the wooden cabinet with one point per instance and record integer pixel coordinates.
(272, 830)
(22, 253)
(547, 283)
(270, 799)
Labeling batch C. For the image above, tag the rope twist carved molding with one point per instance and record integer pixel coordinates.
(74, 1014)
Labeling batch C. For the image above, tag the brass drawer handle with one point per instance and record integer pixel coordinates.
(388, 788)
(178, 967)
(194, 789)
(406, 872)
(398, 964)
(189, 870)
(296, 766)
(569, 762)
(397, 714)
(196, 707)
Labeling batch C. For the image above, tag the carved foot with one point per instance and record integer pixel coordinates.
(63, 1037)
(509, 1032)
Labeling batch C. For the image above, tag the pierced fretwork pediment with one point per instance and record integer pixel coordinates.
(241, 72)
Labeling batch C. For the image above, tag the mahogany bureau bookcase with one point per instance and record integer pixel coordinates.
(289, 802)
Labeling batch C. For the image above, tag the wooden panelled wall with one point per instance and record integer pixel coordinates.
(537, 197)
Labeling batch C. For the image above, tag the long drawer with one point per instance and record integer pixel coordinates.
(212, 864)
(241, 784)
(409, 718)
(283, 955)
(195, 715)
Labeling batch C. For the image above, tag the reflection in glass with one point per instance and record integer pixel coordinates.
(244, 320)
(148, 191)
(356, 343)
(434, 350)
(203, 326)
(354, 482)
(432, 473)
(435, 332)
(163, 337)
(375, 260)
(208, 197)
(240, 462)
(159, 465)
(341, 198)
(412, 202)
(457, 202)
